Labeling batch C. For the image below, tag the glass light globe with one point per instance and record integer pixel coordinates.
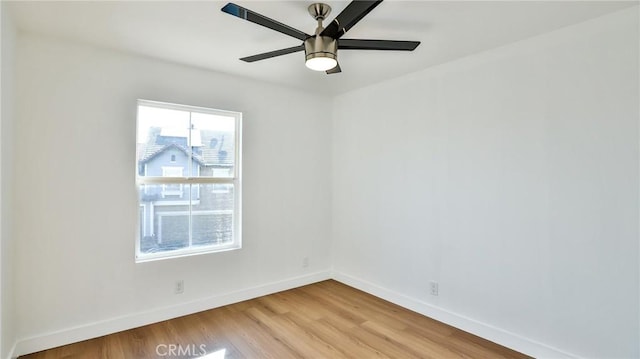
(321, 63)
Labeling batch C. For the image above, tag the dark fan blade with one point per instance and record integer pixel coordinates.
(334, 70)
(353, 44)
(350, 16)
(271, 54)
(256, 18)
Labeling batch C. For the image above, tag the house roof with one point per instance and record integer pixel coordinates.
(154, 150)
(216, 148)
(196, 139)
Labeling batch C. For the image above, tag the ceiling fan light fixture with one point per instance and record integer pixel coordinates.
(321, 63)
(320, 53)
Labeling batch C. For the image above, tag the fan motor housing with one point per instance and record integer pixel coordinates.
(321, 46)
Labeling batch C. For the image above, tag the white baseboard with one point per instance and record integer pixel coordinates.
(104, 327)
(12, 351)
(486, 331)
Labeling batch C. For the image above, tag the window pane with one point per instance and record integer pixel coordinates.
(216, 151)
(169, 137)
(213, 216)
(163, 140)
(164, 220)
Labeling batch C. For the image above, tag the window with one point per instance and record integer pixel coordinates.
(188, 177)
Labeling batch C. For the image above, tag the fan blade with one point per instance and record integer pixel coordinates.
(350, 16)
(254, 17)
(271, 54)
(334, 70)
(393, 45)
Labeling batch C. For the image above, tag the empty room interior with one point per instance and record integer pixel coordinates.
(274, 179)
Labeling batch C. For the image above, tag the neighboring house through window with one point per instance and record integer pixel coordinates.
(189, 180)
(172, 189)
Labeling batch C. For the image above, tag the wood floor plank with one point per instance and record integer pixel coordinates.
(318, 334)
(252, 337)
(351, 346)
(300, 338)
(425, 347)
(322, 320)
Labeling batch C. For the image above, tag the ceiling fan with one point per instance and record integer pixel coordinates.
(321, 49)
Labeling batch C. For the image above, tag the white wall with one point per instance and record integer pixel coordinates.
(7, 54)
(511, 178)
(76, 200)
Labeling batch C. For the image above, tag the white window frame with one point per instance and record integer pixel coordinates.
(234, 180)
(144, 219)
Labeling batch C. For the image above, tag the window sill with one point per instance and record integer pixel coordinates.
(180, 253)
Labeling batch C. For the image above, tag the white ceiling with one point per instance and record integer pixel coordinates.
(199, 34)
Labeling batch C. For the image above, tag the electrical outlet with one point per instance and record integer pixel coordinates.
(433, 288)
(179, 288)
(305, 262)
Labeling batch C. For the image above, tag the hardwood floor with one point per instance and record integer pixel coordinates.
(321, 320)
